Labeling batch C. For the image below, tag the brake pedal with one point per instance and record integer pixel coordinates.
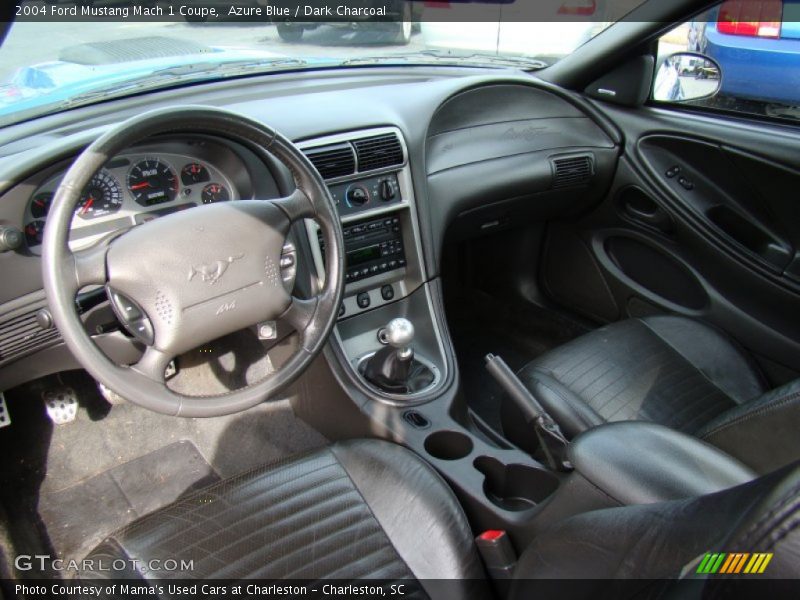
(61, 405)
(5, 417)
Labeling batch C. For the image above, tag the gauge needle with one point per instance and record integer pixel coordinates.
(87, 206)
(140, 186)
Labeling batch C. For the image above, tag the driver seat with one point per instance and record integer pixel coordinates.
(361, 509)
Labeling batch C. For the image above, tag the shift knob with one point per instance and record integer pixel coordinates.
(399, 334)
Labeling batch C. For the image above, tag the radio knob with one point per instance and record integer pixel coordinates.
(388, 190)
(357, 195)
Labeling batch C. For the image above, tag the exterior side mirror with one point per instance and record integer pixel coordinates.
(687, 76)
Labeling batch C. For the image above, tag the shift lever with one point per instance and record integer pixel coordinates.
(394, 368)
(399, 334)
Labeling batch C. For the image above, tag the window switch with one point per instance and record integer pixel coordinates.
(686, 183)
(673, 171)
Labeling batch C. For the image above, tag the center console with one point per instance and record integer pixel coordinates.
(369, 178)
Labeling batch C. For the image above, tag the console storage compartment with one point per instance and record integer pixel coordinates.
(636, 462)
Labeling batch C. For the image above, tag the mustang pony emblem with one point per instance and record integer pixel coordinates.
(212, 272)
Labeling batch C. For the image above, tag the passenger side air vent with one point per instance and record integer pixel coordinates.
(333, 161)
(572, 170)
(22, 335)
(378, 152)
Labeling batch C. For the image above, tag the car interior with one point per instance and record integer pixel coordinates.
(491, 331)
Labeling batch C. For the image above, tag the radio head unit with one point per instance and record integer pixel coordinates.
(372, 246)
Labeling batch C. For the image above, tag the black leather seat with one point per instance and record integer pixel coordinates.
(359, 509)
(623, 552)
(670, 370)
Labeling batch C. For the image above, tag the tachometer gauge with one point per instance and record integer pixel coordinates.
(103, 196)
(34, 233)
(152, 181)
(194, 173)
(40, 205)
(214, 192)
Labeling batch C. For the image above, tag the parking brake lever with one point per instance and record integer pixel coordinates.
(551, 440)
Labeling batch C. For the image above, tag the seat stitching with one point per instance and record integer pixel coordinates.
(769, 407)
(310, 507)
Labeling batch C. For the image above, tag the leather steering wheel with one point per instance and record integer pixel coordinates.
(193, 276)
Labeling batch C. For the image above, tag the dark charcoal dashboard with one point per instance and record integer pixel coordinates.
(409, 155)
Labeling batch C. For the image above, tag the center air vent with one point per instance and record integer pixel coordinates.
(333, 161)
(378, 152)
(572, 170)
(22, 335)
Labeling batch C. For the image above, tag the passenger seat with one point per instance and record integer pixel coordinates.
(670, 370)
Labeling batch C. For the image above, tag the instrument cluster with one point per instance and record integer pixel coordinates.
(132, 188)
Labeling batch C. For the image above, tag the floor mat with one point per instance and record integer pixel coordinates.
(518, 332)
(79, 517)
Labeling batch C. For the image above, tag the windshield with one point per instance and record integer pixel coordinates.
(61, 54)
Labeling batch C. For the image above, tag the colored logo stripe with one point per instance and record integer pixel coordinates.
(758, 563)
(734, 563)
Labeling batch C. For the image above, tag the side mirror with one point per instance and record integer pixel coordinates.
(687, 76)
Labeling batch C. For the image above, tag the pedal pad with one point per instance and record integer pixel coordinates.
(5, 417)
(61, 405)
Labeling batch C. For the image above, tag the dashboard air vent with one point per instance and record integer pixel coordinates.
(378, 152)
(22, 335)
(572, 170)
(333, 161)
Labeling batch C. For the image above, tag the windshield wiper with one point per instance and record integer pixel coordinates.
(440, 56)
(169, 76)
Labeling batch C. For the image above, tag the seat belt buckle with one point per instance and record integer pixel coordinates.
(498, 556)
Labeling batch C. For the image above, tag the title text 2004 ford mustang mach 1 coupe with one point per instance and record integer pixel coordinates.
(333, 317)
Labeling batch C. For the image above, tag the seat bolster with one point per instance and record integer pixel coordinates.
(569, 410)
(713, 353)
(415, 507)
(762, 433)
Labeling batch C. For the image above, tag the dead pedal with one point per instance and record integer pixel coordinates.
(5, 417)
(61, 405)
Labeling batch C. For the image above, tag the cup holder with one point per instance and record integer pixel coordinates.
(448, 445)
(515, 487)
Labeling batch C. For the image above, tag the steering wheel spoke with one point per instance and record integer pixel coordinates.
(300, 314)
(153, 364)
(90, 266)
(296, 206)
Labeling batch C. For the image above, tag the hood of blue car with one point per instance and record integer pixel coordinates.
(86, 68)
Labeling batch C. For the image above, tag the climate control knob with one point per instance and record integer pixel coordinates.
(357, 195)
(388, 189)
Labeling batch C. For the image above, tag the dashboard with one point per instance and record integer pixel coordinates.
(142, 184)
(410, 155)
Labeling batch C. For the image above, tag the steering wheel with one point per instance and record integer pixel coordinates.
(192, 276)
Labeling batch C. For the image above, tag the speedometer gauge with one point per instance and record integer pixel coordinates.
(152, 181)
(103, 196)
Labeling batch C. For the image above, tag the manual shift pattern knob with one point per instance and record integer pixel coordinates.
(399, 333)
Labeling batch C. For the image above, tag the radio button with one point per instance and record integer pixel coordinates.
(363, 300)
